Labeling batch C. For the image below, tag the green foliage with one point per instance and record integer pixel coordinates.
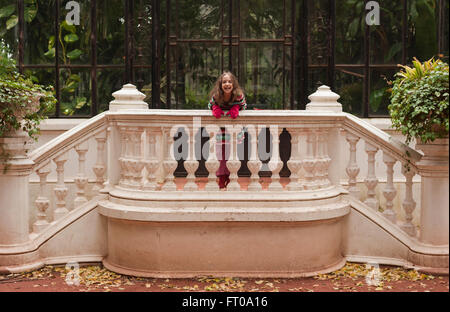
(18, 97)
(420, 99)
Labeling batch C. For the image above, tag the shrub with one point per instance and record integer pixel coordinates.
(420, 99)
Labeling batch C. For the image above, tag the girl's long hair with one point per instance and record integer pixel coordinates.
(218, 93)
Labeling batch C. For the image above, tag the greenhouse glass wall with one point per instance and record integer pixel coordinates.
(173, 50)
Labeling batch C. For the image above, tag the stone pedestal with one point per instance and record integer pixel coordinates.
(433, 168)
(15, 168)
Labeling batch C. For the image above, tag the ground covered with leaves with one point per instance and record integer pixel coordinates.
(352, 277)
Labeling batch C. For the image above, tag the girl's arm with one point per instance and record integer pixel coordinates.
(211, 103)
(240, 100)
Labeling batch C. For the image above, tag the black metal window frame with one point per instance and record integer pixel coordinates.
(299, 30)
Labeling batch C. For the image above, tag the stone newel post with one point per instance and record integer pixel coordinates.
(14, 195)
(434, 216)
(131, 99)
(326, 100)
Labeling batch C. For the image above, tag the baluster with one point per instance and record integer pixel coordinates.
(191, 164)
(389, 192)
(409, 204)
(60, 188)
(212, 164)
(294, 163)
(136, 162)
(42, 202)
(352, 167)
(323, 158)
(152, 163)
(275, 164)
(81, 179)
(371, 180)
(99, 167)
(254, 164)
(233, 164)
(169, 164)
(310, 163)
(123, 160)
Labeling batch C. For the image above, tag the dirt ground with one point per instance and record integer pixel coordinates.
(352, 277)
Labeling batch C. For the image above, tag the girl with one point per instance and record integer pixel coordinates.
(226, 95)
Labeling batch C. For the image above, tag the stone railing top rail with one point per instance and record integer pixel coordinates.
(285, 118)
(68, 139)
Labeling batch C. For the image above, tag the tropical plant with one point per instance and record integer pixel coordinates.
(23, 104)
(420, 100)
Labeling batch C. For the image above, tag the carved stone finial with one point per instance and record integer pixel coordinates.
(324, 100)
(126, 98)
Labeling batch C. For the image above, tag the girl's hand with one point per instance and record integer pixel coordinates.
(217, 111)
(233, 112)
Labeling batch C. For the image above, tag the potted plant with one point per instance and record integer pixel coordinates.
(420, 100)
(23, 105)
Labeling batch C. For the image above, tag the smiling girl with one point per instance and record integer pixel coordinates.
(226, 95)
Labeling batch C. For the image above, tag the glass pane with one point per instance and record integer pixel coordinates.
(44, 77)
(261, 75)
(262, 19)
(318, 32)
(445, 35)
(386, 38)
(350, 32)
(379, 95)
(198, 67)
(197, 19)
(349, 85)
(316, 77)
(110, 32)
(75, 92)
(9, 28)
(39, 47)
(423, 23)
(108, 82)
(74, 40)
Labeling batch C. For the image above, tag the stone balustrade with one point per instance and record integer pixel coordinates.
(137, 153)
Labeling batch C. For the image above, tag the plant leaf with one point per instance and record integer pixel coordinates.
(7, 10)
(70, 38)
(74, 54)
(11, 22)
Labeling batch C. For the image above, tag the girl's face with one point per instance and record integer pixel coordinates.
(227, 84)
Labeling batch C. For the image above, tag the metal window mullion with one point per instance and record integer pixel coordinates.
(366, 88)
(20, 9)
(331, 42)
(168, 102)
(93, 38)
(156, 40)
(57, 85)
(284, 55)
(293, 24)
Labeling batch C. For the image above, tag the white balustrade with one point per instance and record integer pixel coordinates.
(254, 164)
(409, 204)
(212, 164)
(233, 163)
(275, 164)
(42, 202)
(169, 163)
(99, 167)
(371, 179)
(309, 163)
(352, 167)
(152, 163)
(323, 160)
(295, 163)
(60, 188)
(389, 191)
(191, 164)
(81, 179)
